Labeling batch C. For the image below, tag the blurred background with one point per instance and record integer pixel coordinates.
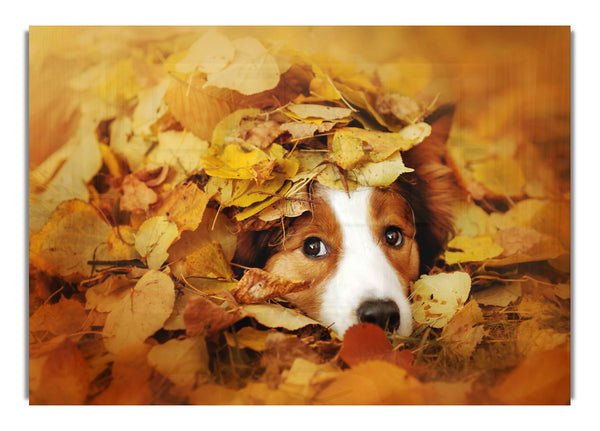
(511, 84)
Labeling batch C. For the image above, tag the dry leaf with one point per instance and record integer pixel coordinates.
(258, 286)
(277, 316)
(471, 249)
(375, 383)
(184, 206)
(69, 240)
(180, 360)
(464, 330)
(204, 317)
(136, 195)
(367, 342)
(153, 239)
(66, 317)
(543, 378)
(140, 313)
(63, 376)
(252, 69)
(437, 298)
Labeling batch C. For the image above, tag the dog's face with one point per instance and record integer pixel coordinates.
(358, 252)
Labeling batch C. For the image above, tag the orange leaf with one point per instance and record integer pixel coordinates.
(367, 342)
(258, 286)
(543, 378)
(202, 316)
(64, 377)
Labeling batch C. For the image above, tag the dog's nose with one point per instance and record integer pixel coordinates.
(381, 312)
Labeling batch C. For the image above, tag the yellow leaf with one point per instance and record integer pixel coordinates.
(347, 149)
(121, 243)
(381, 174)
(533, 338)
(502, 176)
(437, 298)
(208, 261)
(258, 207)
(150, 108)
(248, 337)
(467, 249)
(317, 114)
(209, 54)
(181, 151)
(140, 313)
(374, 383)
(464, 331)
(252, 69)
(77, 167)
(543, 378)
(277, 316)
(153, 239)
(181, 360)
(184, 206)
(69, 240)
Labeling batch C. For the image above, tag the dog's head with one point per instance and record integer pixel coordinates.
(360, 250)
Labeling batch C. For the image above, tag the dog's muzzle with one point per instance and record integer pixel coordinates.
(382, 312)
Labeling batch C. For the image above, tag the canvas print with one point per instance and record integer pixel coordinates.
(299, 215)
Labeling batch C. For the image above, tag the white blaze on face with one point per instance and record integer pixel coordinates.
(363, 271)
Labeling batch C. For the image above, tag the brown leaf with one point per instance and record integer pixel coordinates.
(130, 378)
(543, 378)
(184, 206)
(67, 316)
(136, 195)
(63, 378)
(258, 286)
(367, 342)
(197, 109)
(204, 317)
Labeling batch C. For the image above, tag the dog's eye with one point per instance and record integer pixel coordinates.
(314, 247)
(394, 237)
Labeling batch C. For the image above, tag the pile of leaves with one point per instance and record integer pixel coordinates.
(178, 147)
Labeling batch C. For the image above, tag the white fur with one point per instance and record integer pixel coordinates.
(363, 271)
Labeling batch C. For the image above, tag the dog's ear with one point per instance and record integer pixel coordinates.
(435, 187)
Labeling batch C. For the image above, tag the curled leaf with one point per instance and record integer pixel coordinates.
(258, 286)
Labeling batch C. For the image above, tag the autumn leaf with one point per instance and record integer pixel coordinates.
(184, 206)
(318, 114)
(180, 360)
(258, 286)
(252, 69)
(69, 240)
(137, 196)
(367, 342)
(437, 298)
(203, 317)
(464, 330)
(543, 378)
(65, 317)
(471, 249)
(375, 383)
(139, 313)
(211, 53)
(153, 239)
(60, 377)
(277, 316)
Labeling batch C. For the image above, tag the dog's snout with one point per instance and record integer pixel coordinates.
(381, 312)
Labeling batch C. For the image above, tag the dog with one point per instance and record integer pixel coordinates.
(360, 250)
